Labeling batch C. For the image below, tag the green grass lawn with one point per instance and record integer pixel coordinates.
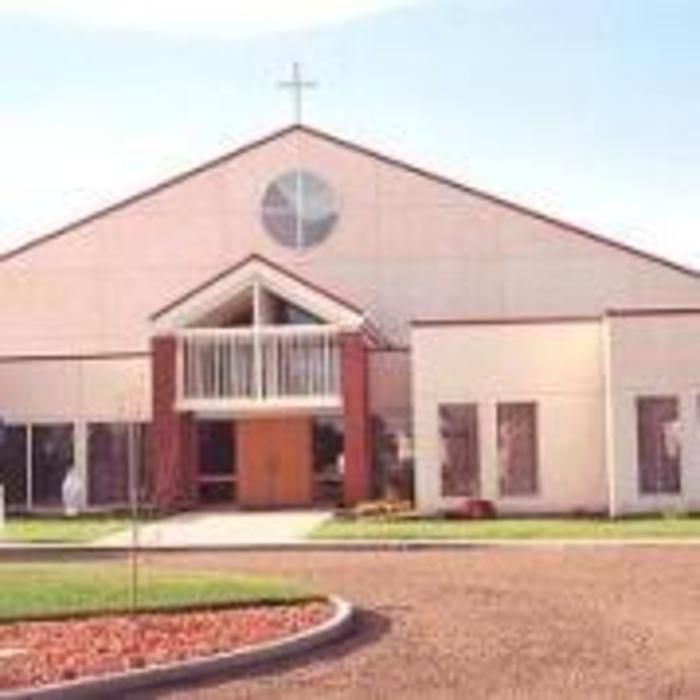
(509, 528)
(84, 528)
(43, 590)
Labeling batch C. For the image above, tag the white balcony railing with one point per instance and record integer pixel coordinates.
(257, 367)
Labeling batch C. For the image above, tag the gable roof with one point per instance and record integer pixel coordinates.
(564, 226)
(252, 270)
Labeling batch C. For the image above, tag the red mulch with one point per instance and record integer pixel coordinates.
(67, 649)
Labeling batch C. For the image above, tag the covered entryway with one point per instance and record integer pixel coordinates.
(274, 357)
(274, 457)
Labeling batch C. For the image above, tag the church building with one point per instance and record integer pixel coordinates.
(307, 322)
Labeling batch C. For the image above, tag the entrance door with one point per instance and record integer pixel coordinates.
(274, 458)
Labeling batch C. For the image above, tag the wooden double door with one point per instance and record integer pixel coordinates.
(274, 461)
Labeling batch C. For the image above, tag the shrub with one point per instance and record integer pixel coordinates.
(471, 509)
(386, 507)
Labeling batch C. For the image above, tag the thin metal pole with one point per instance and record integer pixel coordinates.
(134, 507)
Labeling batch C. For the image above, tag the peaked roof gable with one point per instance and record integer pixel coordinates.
(252, 270)
(564, 226)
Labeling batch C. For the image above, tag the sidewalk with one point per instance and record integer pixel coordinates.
(221, 528)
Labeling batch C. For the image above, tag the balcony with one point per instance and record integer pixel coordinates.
(258, 368)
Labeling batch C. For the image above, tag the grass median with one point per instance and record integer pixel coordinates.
(382, 528)
(80, 529)
(49, 590)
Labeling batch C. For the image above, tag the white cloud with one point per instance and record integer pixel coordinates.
(213, 18)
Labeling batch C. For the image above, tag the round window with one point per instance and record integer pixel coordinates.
(299, 209)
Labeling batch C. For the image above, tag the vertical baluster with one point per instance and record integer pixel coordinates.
(276, 364)
(326, 362)
(306, 367)
(197, 359)
(231, 369)
(284, 365)
(239, 367)
(219, 366)
(267, 341)
(225, 367)
(332, 352)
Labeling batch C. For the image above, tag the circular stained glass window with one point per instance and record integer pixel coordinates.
(299, 209)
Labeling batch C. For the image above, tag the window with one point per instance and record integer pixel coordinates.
(328, 441)
(217, 447)
(392, 455)
(108, 461)
(13, 464)
(459, 435)
(216, 450)
(52, 457)
(516, 425)
(658, 444)
(299, 209)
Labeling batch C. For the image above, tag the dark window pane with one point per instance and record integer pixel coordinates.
(392, 455)
(108, 469)
(108, 462)
(52, 457)
(328, 439)
(216, 447)
(658, 444)
(13, 464)
(459, 434)
(517, 448)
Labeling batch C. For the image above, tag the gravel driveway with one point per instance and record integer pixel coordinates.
(592, 623)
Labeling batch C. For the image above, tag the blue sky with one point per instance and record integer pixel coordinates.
(586, 110)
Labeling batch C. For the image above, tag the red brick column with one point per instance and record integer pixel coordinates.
(172, 433)
(355, 386)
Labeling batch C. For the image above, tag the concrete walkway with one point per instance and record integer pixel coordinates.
(217, 528)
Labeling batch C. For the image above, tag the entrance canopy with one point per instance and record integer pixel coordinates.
(260, 346)
(258, 339)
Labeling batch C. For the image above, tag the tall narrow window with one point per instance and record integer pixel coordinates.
(13, 465)
(52, 457)
(459, 434)
(658, 444)
(108, 462)
(517, 448)
(107, 456)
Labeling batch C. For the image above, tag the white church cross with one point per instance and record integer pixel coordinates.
(297, 85)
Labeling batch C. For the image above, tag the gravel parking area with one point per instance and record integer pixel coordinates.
(513, 623)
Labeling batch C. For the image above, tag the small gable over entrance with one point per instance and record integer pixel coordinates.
(257, 292)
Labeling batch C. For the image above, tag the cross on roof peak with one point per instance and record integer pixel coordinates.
(297, 85)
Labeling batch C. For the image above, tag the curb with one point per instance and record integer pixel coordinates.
(52, 552)
(243, 659)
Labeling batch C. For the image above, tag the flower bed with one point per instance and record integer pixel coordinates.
(47, 652)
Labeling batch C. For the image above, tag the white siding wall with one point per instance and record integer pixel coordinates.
(650, 356)
(558, 365)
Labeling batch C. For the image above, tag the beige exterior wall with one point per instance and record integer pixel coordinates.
(652, 356)
(557, 365)
(89, 389)
(389, 381)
